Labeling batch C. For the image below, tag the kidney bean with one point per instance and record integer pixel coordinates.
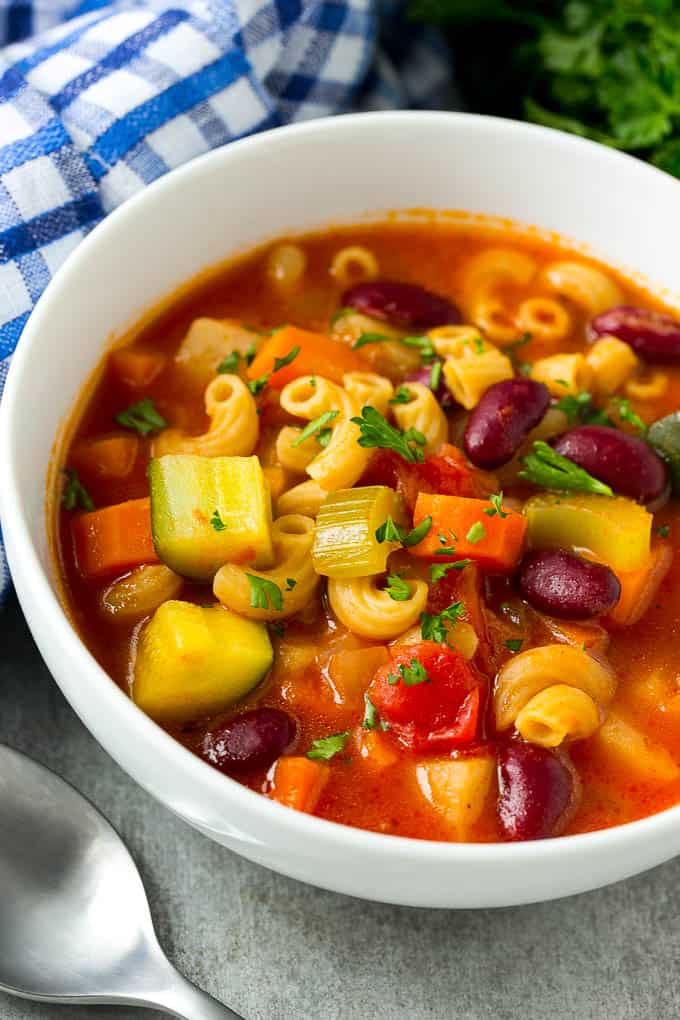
(442, 393)
(402, 304)
(501, 420)
(561, 584)
(251, 740)
(538, 791)
(628, 464)
(652, 335)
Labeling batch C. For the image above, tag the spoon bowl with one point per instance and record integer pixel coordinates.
(75, 924)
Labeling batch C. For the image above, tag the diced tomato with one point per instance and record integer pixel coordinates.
(447, 472)
(438, 714)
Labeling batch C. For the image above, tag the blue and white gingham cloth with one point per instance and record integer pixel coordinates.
(97, 99)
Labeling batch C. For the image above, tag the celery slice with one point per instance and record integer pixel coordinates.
(345, 543)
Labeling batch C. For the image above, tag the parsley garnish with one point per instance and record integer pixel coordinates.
(257, 385)
(339, 314)
(75, 495)
(264, 594)
(663, 531)
(476, 533)
(397, 588)
(391, 532)
(423, 343)
(327, 747)
(324, 437)
(142, 417)
(549, 469)
(370, 719)
(229, 364)
(312, 381)
(411, 675)
(626, 413)
(478, 345)
(286, 360)
(376, 431)
(370, 338)
(402, 396)
(579, 408)
(435, 375)
(433, 626)
(317, 425)
(514, 644)
(249, 356)
(217, 522)
(277, 627)
(440, 570)
(496, 507)
(290, 583)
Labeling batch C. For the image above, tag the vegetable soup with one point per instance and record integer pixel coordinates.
(381, 523)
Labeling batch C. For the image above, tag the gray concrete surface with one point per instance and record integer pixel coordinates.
(275, 949)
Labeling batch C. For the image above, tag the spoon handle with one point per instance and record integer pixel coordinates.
(186, 1001)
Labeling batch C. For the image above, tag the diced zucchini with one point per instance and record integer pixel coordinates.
(345, 544)
(193, 662)
(616, 530)
(664, 435)
(208, 511)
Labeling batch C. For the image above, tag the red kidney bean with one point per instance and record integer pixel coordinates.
(538, 791)
(561, 584)
(442, 393)
(628, 464)
(251, 740)
(403, 304)
(501, 420)
(652, 335)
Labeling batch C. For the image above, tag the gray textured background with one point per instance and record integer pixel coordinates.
(275, 949)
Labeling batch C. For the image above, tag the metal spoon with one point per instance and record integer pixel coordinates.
(74, 920)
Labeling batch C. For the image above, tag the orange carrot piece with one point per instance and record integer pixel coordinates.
(114, 539)
(352, 670)
(318, 354)
(638, 587)
(136, 368)
(109, 457)
(374, 748)
(494, 542)
(298, 782)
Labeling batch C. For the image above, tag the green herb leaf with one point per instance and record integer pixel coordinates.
(324, 437)
(514, 644)
(229, 364)
(217, 522)
(142, 417)
(264, 594)
(476, 533)
(402, 396)
(290, 583)
(411, 675)
(376, 432)
(435, 375)
(433, 626)
(397, 588)
(370, 338)
(418, 533)
(388, 531)
(75, 496)
(549, 469)
(249, 356)
(339, 314)
(327, 747)
(286, 359)
(440, 570)
(370, 719)
(257, 385)
(663, 530)
(315, 426)
(626, 413)
(496, 507)
(277, 627)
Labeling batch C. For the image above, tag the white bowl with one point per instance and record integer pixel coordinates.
(294, 179)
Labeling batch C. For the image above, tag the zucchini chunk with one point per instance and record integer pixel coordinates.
(194, 662)
(208, 511)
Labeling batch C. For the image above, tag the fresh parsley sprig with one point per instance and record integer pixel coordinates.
(410, 675)
(440, 570)
(397, 588)
(376, 432)
(264, 594)
(316, 427)
(75, 496)
(217, 522)
(142, 417)
(390, 531)
(549, 469)
(326, 748)
(433, 626)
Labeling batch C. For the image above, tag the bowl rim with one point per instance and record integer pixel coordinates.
(210, 785)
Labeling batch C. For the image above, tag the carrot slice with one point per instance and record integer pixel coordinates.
(318, 353)
(109, 457)
(638, 587)
(298, 782)
(114, 539)
(494, 542)
(136, 369)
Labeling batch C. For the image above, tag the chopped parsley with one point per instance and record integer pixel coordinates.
(327, 747)
(433, 626)
(324, 437)
(663, 531)
(142, 417)
(229, 364)
(627, 414)
(217, 522)
(257, 385)
(277, 627)
(423, 343)
(496, 507)
(549, 469)
(411, 675)
(403, 395)
(75, 496)
(435, 375)
(317, 425)
(397, 588)
(370, 338)
(440, 570)
(290, 583)
(249, 356)
(514, 644)
(286, 359)
(476, 533)
(339, 314)
(391, 532)
(264, 594)
(478, 344)
(376, 431)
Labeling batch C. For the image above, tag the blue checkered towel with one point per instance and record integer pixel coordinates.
(110, 96)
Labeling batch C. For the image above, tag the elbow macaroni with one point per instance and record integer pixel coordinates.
(563, 374)
(557, 714)
(292, 537)
(545, 318)
(306, 498)
(286, 265)
(424, 414)
(589, 288)
(354, 264)
(234, 424)
(370, 612)
(471, 364)
(369, 388)
(612, 363)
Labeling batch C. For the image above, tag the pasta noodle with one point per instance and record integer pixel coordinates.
(530, 672)
(292, 536)
(423, 413)
(370, 612)
(492, 269)
(305, 498)
(649, 387)
(556, 714)
(563, 374)
(354, 264)
(369, 388)
(612, 362)
(474, 367)
(545, 318)
(295, 457)
(286, 265)
(234, 424)
(140, 592)
(589, 288)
